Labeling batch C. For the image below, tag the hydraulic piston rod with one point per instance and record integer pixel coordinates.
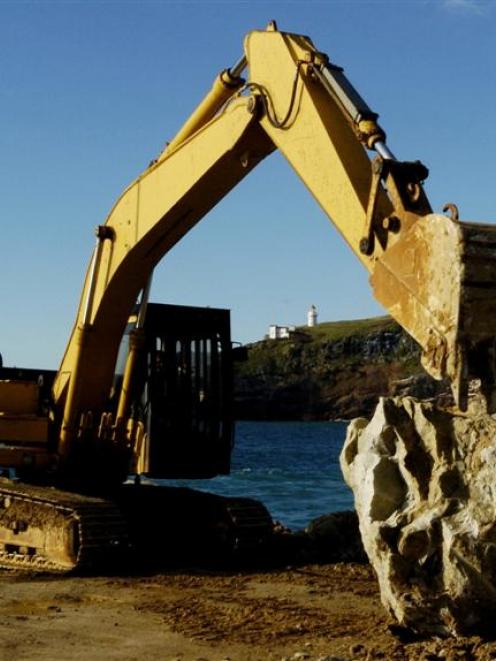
(355, 107)
(382, 149)
(237, 69)
(225, 85)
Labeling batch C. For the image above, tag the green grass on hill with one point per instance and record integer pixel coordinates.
(307, 351)
(336, 330)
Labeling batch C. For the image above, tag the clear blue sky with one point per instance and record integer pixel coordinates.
(90, 91)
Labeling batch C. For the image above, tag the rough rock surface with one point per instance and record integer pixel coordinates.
(424, 482)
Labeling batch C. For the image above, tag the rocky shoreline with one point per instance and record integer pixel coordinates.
(335, 371)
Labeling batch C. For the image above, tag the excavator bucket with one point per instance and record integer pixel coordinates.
(439, 282)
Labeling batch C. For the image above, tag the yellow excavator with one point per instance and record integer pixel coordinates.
(145, 389)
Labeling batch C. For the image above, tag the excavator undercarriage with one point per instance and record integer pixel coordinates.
(46, 529)
(50, 530)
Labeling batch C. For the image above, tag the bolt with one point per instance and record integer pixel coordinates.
(245, 159)
(104, 232)
(391, 224)
(366, 246)
(413, 190)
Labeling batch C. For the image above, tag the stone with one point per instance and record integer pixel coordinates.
(335, 537)
(358, 650)
(424, 483)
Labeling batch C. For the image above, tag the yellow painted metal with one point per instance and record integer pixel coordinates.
(136, 340)
(19, 396)
(34, 457)
(222, 90)
(140, 447)
(153, 214)
(15, 427)
(76, 385)
(318, 140)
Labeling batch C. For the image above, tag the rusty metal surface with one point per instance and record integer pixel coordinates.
(439, 282)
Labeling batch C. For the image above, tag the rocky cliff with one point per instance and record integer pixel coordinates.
(335, 370)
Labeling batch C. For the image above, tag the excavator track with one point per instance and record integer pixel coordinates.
(45, 529)
(167, 523)
(250, 521)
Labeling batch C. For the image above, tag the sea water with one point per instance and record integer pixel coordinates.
(292, 467)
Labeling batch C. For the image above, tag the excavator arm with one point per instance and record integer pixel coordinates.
(435, 275)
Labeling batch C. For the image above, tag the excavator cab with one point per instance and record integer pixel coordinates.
(183, 392)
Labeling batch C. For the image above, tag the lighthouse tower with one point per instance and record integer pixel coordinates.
(312, 317)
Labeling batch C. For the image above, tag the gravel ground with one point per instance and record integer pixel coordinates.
(314, 612)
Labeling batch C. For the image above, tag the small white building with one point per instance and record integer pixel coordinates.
(312, 316)
(280, 332)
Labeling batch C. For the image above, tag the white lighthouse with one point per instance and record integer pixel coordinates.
(312, 317)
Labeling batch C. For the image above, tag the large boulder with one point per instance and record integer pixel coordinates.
(424, 482)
